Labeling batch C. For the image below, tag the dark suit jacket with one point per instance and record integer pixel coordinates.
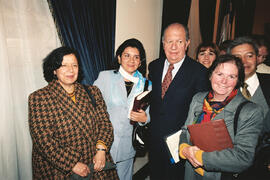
(64, 132)
(264, 80)
(170, 113)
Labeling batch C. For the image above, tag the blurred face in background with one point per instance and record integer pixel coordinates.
(248, 56)
(175, 43)
(262, 55)
(206, 56)
(130, 59)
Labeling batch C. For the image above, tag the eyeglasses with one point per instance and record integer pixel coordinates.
(127, 56)
(262, 56)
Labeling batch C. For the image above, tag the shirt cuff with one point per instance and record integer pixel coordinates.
(198, 156)
(99, 142)
(181, 147)
(200, 171)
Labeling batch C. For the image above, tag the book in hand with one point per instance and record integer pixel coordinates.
(172, 142)
(210, 136)
(141, 101)
(108, 166)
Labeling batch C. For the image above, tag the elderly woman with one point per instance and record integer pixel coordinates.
(226, 76)
(69, 131)
(206, 53)
(119, 87)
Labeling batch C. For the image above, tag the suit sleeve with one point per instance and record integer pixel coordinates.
(41, 123)
(184, 138)
(150, 71)
(203, 83)
(105, 126)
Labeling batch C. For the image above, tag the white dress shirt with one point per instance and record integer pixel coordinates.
(253, 84)
(174, 71)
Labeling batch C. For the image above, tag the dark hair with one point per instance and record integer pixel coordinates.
(54, 59)
(134, 43)
(205, 45)
(242, 40)
(225, 45)
(230, 58)
(261, 40)
(182, 25)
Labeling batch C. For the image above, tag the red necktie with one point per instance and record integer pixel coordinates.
(167, 80)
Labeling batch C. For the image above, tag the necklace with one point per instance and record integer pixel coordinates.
(128, 83)
(71, 94)
(128, 86)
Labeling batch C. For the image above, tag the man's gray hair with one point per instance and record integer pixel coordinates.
(185, 28)
(242, 40)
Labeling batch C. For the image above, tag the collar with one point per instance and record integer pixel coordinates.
(128, 76)
(176, 67)
(253, 84)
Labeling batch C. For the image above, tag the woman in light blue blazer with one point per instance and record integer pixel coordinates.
(119, 87)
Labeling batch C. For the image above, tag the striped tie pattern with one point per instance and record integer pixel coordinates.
(245, 91)
(167, 80)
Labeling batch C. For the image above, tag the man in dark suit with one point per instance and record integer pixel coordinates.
(170, 105)
(258, 87)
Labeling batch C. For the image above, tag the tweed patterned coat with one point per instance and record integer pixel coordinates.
(64, 132)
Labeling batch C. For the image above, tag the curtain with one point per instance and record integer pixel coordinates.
(207, 18)
(235, 18)
(225, 21)
(89, 27)
(245, 10)
(27, 34)
(194, 29)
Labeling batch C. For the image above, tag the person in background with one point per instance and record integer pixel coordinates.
(175, 78)
(263, 51)
(68, 132)
(226, 76)
(224, 46)
(257, 86)
(206, 53)
(119, 87)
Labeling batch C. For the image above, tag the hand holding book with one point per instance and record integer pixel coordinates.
(141, 101)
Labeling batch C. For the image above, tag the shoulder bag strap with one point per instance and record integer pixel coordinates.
(237, 115)
(93, 101)
(146, 85)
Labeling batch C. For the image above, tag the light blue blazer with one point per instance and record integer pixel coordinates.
(112, 87)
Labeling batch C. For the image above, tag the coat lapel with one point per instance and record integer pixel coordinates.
(180, 77)
(75, 112)
(119, 89)
(159, 72)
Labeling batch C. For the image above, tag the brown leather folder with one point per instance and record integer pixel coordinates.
(210, 136)
(141, 101)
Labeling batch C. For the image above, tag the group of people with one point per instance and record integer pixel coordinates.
(79, 129)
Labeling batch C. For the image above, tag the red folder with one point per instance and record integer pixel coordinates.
(210, 136)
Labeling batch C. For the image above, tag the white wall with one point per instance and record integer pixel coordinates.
(140, 19)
